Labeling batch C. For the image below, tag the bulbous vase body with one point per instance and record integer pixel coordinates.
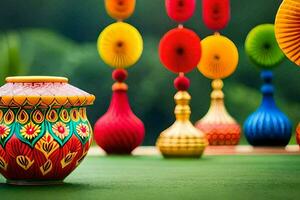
(119, 130)
(298, 134)
(44, 129)
(182, 139)
(268, 126)
(217, 125)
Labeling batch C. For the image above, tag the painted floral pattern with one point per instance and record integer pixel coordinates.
(83, 130)
(30, 131)
(51, 147)
(4, 131)
(61, 130)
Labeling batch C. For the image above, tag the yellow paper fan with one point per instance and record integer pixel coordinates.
(287, 29)
(120, 45)
(219, 57)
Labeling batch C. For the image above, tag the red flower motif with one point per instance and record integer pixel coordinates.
(4, 131)
(61, 130)
(30, 130)
(83, 130)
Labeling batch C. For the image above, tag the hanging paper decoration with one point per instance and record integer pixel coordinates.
(267, 126)
(119, 131)
(220, 57)
(180, 52)
(287, 29)
(120, 45)
(262, 48)
(216, 13)
(219, 60)
(119, 9)
(180, 10)
(287, 33)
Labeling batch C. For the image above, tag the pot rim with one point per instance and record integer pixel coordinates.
(36, 79)
(42, 91)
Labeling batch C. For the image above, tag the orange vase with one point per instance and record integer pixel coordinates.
(298, 134)
(219, 127)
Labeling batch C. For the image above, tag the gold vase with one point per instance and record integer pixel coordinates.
(182, 139)
(219, 127)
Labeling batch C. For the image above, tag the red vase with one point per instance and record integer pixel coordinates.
(298, 134)
(119, 130)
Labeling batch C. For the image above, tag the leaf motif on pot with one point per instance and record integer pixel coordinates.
(9, 117)
(64, 115)
(47, 145)
(3, 164)
(1, 115)
(74, 115)
(22, 117)
(68, 159)
(52, 116)
(46, 167)
(24, 162)
(38, 116)
(82, 112)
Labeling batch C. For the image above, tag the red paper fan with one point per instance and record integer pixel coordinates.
(180, 10)
(180, 50)
(216, 13)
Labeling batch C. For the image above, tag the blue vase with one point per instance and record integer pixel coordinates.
(268, 126)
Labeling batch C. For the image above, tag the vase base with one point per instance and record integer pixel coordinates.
(125, 153)
(182, 157)
(34, 182)
(269, 143)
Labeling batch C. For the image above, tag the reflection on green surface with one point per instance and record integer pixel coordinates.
(141, 177)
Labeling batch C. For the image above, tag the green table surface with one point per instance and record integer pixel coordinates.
(152, 177)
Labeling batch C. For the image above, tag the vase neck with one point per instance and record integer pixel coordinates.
(217, 95)
(119, 100)
(267, 89)
(217, 112)
(182, 109)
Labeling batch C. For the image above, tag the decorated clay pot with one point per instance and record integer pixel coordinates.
(44, 130)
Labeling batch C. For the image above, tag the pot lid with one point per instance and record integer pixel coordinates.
(42, 91)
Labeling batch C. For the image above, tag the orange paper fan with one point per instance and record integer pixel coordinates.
(120, 9)
(287, 29)
(219, 58)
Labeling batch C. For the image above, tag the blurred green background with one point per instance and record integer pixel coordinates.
(42, 37)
